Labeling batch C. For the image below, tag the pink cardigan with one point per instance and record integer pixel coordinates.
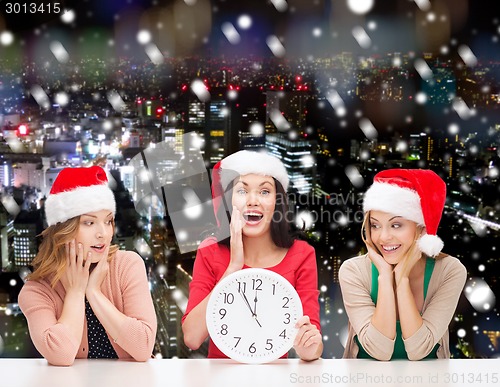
(126, 286)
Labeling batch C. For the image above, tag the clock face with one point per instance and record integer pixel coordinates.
(251, 315)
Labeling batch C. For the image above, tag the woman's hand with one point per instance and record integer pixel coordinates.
(237, 256)
(76, 276)
(98, 274)
(378, 260)
(308, 343)
(405, 266)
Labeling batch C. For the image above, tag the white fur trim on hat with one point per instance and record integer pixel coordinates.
(394, 200)
(66, 205)
(430, 245)
(246, 162)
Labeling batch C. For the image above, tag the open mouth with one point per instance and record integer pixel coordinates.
(391, 248)
(98, 248)
(252, 217)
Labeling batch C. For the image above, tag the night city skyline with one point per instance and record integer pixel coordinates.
(337, 93)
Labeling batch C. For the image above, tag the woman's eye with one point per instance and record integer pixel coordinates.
(396, 225)
(374, 226)
(87, 223)
(264, 192)
(241, 192)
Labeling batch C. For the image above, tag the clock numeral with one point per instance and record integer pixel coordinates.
(228, 298)
(257, 283)
(252, 348)
(274, 289)
(283, 334)
(237, 341)
(287, 318)
(222, 313)
(242, 287)
(287, 300)
(223, 329)
(269, 344)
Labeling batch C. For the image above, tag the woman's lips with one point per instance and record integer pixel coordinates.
(252, 217)
(389, 249)
(98, 248)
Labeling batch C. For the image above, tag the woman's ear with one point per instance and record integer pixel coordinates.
(420, 232)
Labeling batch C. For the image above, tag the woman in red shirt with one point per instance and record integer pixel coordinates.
(254, 184)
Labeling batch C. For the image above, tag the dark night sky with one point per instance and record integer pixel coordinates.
(399, 24)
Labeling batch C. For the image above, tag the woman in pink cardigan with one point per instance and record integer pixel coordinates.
(85, 298)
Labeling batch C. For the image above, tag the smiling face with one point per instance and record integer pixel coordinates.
(95, 232)
(392, 235)
(255, 197)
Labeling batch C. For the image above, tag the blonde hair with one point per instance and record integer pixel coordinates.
(50, 262)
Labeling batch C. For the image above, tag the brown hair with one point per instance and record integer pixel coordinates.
(50, 262)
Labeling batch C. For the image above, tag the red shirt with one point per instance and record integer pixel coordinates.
(298, 267)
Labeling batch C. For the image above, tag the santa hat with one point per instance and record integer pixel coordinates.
(77, 191)
(415, 194)
(243, 163)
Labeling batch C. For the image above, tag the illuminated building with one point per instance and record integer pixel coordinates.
(27, 226)
(292, 104)
(298, 158)
(493, 336)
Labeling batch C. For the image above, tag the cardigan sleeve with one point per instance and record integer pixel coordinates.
(51, 338)
(137, 334)
(360, 308)
(306, 284)
(439, 311)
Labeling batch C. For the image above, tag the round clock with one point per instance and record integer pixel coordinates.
(251, 315)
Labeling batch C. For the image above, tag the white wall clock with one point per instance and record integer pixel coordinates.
(251, 315)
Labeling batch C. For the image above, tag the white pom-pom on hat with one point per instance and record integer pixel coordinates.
(415, 194)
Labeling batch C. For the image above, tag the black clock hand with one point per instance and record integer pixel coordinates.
(246, 301)
(249, 307)
(255, 309)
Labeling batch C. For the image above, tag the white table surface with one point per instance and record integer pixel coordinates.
(219, 373)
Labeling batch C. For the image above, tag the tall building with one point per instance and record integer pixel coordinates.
(292, 104)
(27, 225)
(6, 238)
(216, 121)
(6, 173)
(183, 280)
(299, 158)
(421, 147)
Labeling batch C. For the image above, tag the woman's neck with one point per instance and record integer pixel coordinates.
(261, 251)
(417, 271)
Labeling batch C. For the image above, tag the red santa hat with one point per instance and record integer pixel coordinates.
(77, 191)
(415, 194)
(243, 163)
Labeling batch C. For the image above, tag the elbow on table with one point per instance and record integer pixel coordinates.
(191, 340)
(415, 357)
(383, 357)
(143, 357)
(60, 361)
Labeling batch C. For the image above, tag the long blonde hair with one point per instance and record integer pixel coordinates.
(50, 262)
